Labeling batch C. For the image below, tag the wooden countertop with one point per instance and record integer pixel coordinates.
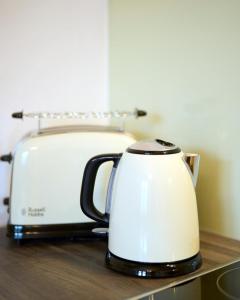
(76, 270)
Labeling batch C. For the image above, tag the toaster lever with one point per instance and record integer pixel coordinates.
(6, 157)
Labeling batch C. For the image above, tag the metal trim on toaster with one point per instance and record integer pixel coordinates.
(45, 131)
(77, 128)
(82, 230)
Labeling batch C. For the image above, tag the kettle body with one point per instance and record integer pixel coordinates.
(153, 224)
(154, 212)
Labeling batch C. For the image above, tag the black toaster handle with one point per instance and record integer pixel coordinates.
(88, 182)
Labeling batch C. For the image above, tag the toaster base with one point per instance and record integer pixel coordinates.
(153, 270)
(74, 230)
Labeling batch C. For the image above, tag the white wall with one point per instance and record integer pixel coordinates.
(53, 56)
(180, 60)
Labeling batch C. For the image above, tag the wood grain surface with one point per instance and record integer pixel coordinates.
(76, 270)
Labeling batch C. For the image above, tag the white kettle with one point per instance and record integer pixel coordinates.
(153, 224)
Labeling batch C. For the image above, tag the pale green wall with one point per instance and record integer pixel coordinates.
(180, 60)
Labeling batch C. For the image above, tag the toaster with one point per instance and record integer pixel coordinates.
(47, 170)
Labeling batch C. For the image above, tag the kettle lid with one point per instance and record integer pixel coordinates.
(153, 147)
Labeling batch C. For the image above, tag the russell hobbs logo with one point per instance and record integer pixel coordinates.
(34, 212)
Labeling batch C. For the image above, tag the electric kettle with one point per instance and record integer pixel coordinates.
(151, 209)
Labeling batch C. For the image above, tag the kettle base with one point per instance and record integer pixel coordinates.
(153, 270)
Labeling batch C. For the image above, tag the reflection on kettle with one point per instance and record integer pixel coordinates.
(153, 224)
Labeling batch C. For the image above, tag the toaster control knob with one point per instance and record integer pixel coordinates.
(6, 201)
(6, 157)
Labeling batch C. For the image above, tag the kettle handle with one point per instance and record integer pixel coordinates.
(88, 182)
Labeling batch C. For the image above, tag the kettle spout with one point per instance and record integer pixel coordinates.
(192, 161)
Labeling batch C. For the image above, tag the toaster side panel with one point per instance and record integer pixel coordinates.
(47, 176)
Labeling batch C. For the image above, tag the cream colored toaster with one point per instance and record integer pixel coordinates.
(47, 169)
